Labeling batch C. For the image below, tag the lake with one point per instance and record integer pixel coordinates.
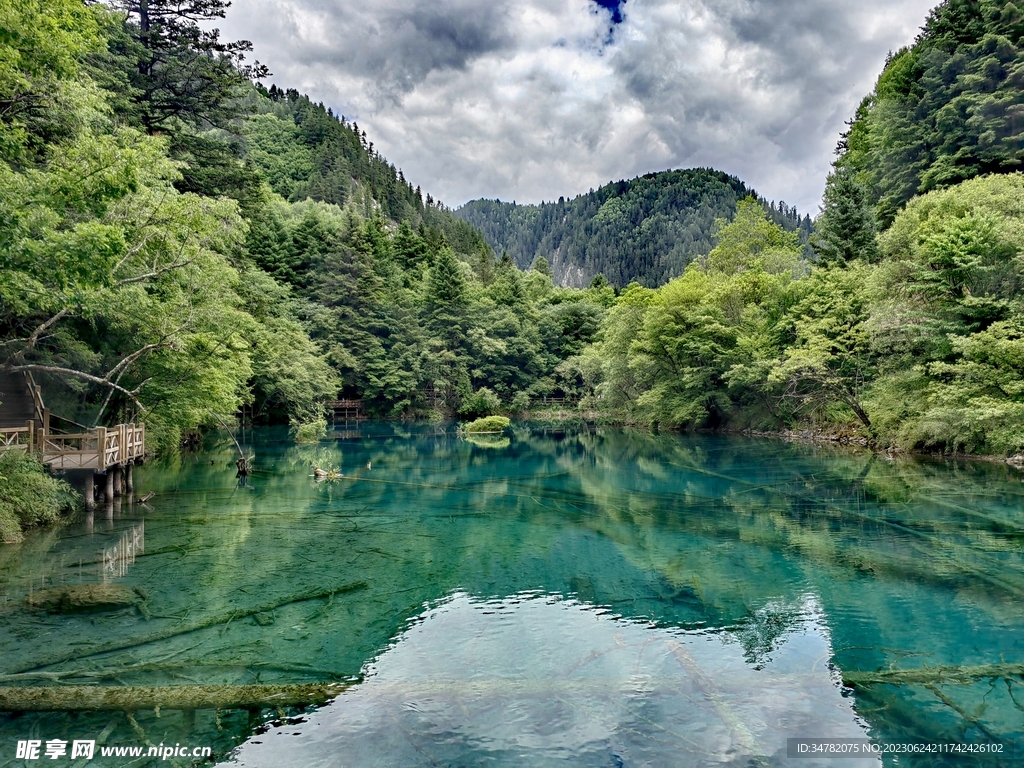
(570, 596)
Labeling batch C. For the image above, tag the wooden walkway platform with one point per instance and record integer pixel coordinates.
(101, 450)
(345, 410)
(96, 449)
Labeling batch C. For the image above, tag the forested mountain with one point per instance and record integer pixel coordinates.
(908, 328)
(944, 110)
(177, 241)
(304, 151)
(645, 230)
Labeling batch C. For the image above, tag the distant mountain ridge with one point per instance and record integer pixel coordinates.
(646, 229)
(304, 150)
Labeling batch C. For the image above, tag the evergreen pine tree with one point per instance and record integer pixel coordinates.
(446, 298)
(846, 227)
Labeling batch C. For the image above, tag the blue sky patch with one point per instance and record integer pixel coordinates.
(614, 7)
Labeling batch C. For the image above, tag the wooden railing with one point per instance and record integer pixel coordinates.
(18, 438)
(98, 448)
(42, 412)
(345, 410)
(550, 400)
(72, 451)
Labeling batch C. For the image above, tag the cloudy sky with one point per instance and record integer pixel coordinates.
(527, 100)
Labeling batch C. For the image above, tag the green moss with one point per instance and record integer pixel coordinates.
(489, 424)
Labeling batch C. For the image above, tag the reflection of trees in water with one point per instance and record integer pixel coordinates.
(701, 532)
(736, 531)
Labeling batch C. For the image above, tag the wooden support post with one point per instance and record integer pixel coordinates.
(129, 482)
(101, 449)
(90, 491)
(108, 488)
(31, 425)
(116, 469)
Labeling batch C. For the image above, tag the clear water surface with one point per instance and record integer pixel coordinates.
(577, 597)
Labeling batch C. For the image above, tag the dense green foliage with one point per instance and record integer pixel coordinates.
(489, 424)
(413, 327)
(921, 347)
(29, 496)
(178, 242)
(944, 110)
(124, 295)
(646, 230)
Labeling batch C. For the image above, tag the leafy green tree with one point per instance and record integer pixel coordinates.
(620, 383)
(40, 47)
(291, 379)
(684, 348)
(977, 402)
(952, 273)
(831, 360)
(751, 238)
(481, 403)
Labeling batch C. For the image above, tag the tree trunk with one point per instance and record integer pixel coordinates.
(61, 698)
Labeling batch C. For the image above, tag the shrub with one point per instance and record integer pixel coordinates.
(483, 402)
(29, 496)
(489, 424)
(520, 403)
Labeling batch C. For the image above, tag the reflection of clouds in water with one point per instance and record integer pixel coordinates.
(534, 679)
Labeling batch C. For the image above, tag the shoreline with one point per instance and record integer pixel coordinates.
(805, 435)
(851, 441)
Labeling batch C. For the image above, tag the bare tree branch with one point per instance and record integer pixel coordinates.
(82, 375)
(33, 338)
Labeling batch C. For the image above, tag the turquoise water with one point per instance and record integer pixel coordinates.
(581, 597)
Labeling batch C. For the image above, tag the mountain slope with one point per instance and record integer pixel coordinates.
(306, 151)
(944, 110)
(646, 229)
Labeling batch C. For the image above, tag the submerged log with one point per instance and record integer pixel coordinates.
(195, 626)
(55, 698)
(933, 675)
(85, 598)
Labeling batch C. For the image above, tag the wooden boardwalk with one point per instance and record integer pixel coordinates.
(96, 449)
(109, 451)
(345, 410)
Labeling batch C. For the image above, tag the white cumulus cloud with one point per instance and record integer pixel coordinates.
(533, 99)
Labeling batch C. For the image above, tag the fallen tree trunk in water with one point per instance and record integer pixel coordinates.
(56, 698)
(195, 626)
(932, 675)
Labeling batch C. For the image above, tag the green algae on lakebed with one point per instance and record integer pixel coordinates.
(578, 596)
